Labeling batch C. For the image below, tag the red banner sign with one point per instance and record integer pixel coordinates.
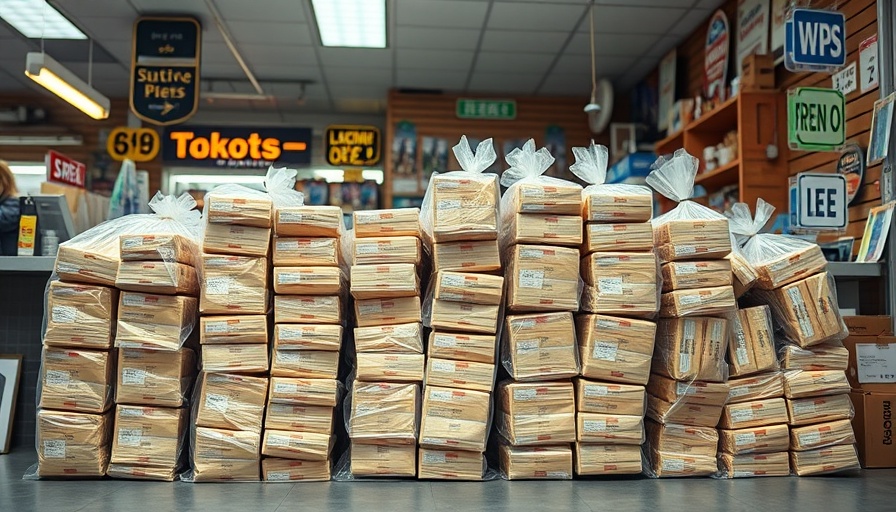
(62, 169)
(715, 65)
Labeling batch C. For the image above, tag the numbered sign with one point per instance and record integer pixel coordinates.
(137, 144)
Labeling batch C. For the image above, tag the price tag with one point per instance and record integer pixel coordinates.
(137, 144)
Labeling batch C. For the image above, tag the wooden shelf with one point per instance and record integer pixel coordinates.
(715, 179)
(670, 143)
(721, 119)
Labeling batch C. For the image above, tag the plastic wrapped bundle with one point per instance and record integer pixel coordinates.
(686, 441)
(289, 470)
(291, 391)
(72, 445)
(621, 283)
(542, 278)
(462, 346)
(299, 418)
(607, 459)
(700, 301)
(609, 428)
(455, 419)
(540, 347)
(160, 322)
(384, 281)
(237, 358)
(470, 288)
(308, 221)
(154, 377)
(234, 402)
(389, 367)
(401, 310)
(455, 315)
(148, 438)
(308, 280)
(770, 411)
(756, 387)
(754, 464)
(609, 398)
(533, 228)
(157, 277)
(822, 435)
(467, 256)
(713, 394)
(608, 203)
(76, 380)
(242, 206)
(831, 355)
(233, 285)
(615, 349)
(744, 277)
(233, 329)
(680, 275)
(170, 247)
(536, 462)
(459, 374)
(80, 315)
(370, 460)
(762, 439)
(692, 348)
(803, 384)
(307, 337)
(395, 222)
(311, 309)
(387, 249)
(807, 310)
(451, 465)
(296, 445)
(403, 338)
(541, 413)
(833, 459)
(383, 413)
(315, 364)
(307, 252)
(807, 411)
(237, 240)
(752, 345)
(636, 237)
(225, 455)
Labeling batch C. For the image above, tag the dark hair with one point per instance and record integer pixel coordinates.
(7, 181)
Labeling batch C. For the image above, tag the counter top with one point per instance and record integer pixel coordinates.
(27, 263)
(847, 270)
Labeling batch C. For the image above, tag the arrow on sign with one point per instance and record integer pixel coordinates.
(167, 107)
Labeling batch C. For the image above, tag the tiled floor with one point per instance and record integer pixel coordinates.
(870, 491)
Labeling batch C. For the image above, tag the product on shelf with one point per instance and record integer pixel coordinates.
(823, 409)
(307, 337)
(770, 411)
(174, 247)
(229, 204)
(389, 367)
(831, 355)
(803, 384)
(400, 310)
(383, 413)
(608, 203)
(535, 228)
(807, 310)
(811, 437)
(308, 280)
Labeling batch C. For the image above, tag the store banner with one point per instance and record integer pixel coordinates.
(715, 66)
(232, 147)
(353, 146)
(752, 29)
(65, 170)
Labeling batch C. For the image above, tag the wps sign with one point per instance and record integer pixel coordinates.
(62, 169)
(207, 146)
(815, 40)
(816, 119)
(353, 146)
(821, 201)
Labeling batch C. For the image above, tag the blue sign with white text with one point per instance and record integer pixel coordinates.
(815, 39)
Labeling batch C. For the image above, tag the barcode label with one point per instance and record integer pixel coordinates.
(54, 449)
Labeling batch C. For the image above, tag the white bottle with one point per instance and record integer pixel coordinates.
(49, 243)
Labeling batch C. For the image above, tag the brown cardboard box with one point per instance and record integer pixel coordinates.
(288, 470)
(621, 283)
(700, 301)
(681, 275)
(688, 441)
(224, 470)
(609, 398)
(307, 252)
(236, 240)
(464, 207)
(291, 391)
(790, 265)
(384, 413)
(752, 346)
(615, 349)
(451, 465)
(536, 228)
(148, 436)
(714, 394)
(71, 444)
(755, 464)
(873, 428)
(395, 222)
(219, 444)
(831, 355)
(296, 445)
(238, 208)
(634, 237)
(469, 256)
(762, 439)
(771, 411)
(832, 433)
(459, 374)
(171, 247)
(157, 277)
(479, 348)
(80, 315)
(455, 419)
(76, 380)
(806, 310)
(384, 281)
(683, 412)
(463, 316)
(545, 195)
(401, 338)
(161, 322)
(807, 411)
(308, 337)
(672, 464)
(543, 278)
(536, 462)
(387, 249)
(235, 358)
(154, 377)
(308, 280)
(869, 325)
(311, 221)
(309, 309)
(540, 346)
(315, 364)
(614, 204)
(872, 362)
(385, 367)
(607, 459)
(537, 413)
(231, 329)
(299, 418)
(833, 459)
(744, 276)
(401, 310)
(469, 288)
(692, 348)
(803, 384)
(609, 428)
(756, 387)
(233, 402)
(693, 239)
(233, 285)
(383, 460)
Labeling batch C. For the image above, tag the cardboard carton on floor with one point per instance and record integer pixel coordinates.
(299, 418)
(383, 460)
(607, 459)
(615, 349)
(150, 436)
(873, 424)
(455, 419)
(807, 411)
(536, 462)
(233, 402)
(296, 445)
(755, 464)
(384, 413)
(72, 444)
(872, 362)
(764, 439)
(450, 465)
(811, 437)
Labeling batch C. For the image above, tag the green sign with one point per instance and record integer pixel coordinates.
(816, 119)
(504, 110)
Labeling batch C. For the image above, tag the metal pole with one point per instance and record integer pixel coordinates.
(885, 48)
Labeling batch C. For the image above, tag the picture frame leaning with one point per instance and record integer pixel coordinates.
(10, 375)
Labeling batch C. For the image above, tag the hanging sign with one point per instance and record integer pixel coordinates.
(868, 64)
(815, 40)
(821, 201)
(137, 144)
(852, 165)
(353, 146)
(816, 119)
(752, 29)
(165, 69)
(253, 148)
(715, 65)
(65, 170)
(845, 80)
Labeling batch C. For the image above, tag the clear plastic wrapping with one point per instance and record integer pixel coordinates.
(831, 355)
(389, 367)
(610, 398)
(754, 464)
(803, 383)
(770, 411)
(470, 288)
(451, 465)
(308, 280)
(296, 445)
(299, 418)
(688, 393)
(807, 310)
(700, 301)
(542, 278)
(833, 459)
(301, 252)
(238, 205)
(158, 322)
(609, 428)
(402, 338)
(462, 346)
(529, 191)
(232, 329)
(821, 435)
(467, 256)
(383, 413)
(401, 310)
(756, 387)
(761, 439)
(608, 459)
(170, 247)
(148, 438)
(322, 337)
(233, 285)
(394, 222)
(315, 364)
(72, 445)
(744, 277)
(236, 240)
(615, 349)
(387, 249)
(154, 377)
(536, 462)
(157, 277)
(454, 315)
(459, 374)
(234, 402)
(751, 348)
(608, 203)
(375, 460)
(76, 380)
(384, 281)
(455, 419)
(292, 391)
(822, 409)
(310, 309)
(681, 451)
(535, 228)
(537, 413)
(80, 315)
(289, 470)
(225, 455)
(635, 237)
(681, 275)
(540, 347)
(620, 283)
(309, 221)
(236, 357)
(692, 348)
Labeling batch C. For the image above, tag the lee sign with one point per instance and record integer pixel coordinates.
(821, 201)
(817, 39)
(62, 169)
(816, 119)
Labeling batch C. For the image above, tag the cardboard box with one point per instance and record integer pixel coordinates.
(308, 309)
(76, 380)
(148, 436)
(744, 276)
(308, 280)
(621, 283)
(831, 355)
(609, 428)
(692, 349)
(389, 249)
(608, 203)
(873, 428)
(544, 195)
(615, 349)
(296, 445)
(384, 281)
(385, 367)
(315, 364)
(881, 325)
(236, 207)
(770, 411)
(822, 409)
(479, 348)
(683, 412)
(872, 362)
(537, 413)
(154, 377)
(756, 387)
(308, 337)
(713, 394)
(761, 439)
(460, 374)
(535, 228)
(395, 222)
(687, 441)
(752, 345)
(233, 329)
(806, 310)
(383, 460)
(542, 278)
(299, 418)
(450, 465)
(90, 262)
(833, 459)
(401, 338)
(540, 346)
(803, 384)
(469, 288)
(384, 413)
(757, 72)
(160, 322)
(636, 237)
(233, 285)
(789, 264)
(609, 398)
(674, 465)
(292, 391)
(80, 315)
(832, 433)
(219, 444)
(236, 358)
(307, 252)
(607, 459)
(401, 310)
(224, 470)
(692, 239)
(464, 206)
(310, 221)
(233, 402)
(171, 247)
(682, 275)
(288, 470)
(71, 444)
(469, 256)
(700, 301)
(755, 464)
(463, 316)
(455, 419)
(536, 462)
(157, 277)
(236, 240)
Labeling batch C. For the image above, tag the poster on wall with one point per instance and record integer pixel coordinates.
(752, 29)
(667, 89)
(881, 124)
(715, 65)
(435, 158)
(778, 14)
(404, 159)
(555, 142)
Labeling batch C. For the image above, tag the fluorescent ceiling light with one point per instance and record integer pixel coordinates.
(44, 70)
(37, 19)
(34, 169)
(41, 140)
(351, 23)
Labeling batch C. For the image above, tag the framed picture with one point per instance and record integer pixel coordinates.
(10, 374)
(622, 140)
(881, 122)
(876, 230)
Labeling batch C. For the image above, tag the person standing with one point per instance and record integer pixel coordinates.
(9, 211)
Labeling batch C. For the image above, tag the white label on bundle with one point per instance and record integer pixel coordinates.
(743, 473)
(441, 396)
(287, 245)
(405, 331)
(434, 457)
(361, 409)
(367, 248)
(285, 387)
(58, 378)
(682, 250)
(277, 476)
(447, 184)
(592, 390)
(610, 285)
(526, 346)
(133, 376)
(525, 323)
(217, 327)
(453, 280)
(370, 308)
(218, 205)
(444, 340)
(130, 436)
(291, 333)
(603, 323)
(744, 438)
(278, 441)
(533, 208)
(595, 425)
(601, 228)
(54, 449)
(133, 299)
(673, 464)
(737, 391)
(531, 253)
(67, 268)
(741, 354)
(810, 438)
(605, 351)
(131, 412)
(739, 415)
(531, 279)
(64, 314)
(804, 407)
(459, 297)
(716, 334)
(684, 356)
(802, 314)
(533, 192)
(558, 475)
(289, 277)
(524, 394)
(444, 366)
(218, 285)
(287, 217)
(690, 300)
(685, 389)
(289, 356)
(216, 402)
(131, 242)
(448, 204)
(683, 269)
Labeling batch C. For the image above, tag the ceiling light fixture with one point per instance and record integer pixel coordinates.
(52, 75)
(351, 23)
(29, 169)
(41, 140)
(36, 19)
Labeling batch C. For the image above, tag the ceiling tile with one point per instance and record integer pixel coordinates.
(663, 46)
(566, 85)
(281, 55)
(523, 41)
(690, 22)
(430, 79)
(255, 32)
(633, 20)
(440, 13)
(280, 11)
(710, 4)
(611, 44)
(436, 38)
(510, 83)
(278, 72)
(216, 53)
(649, 3)
(524, 16)
(581, 64)
(109, 8)
(220, 70)
(167, 7)
(519, 62)
(357, 92)
(427, 59)
(356, 57)
(350, 75)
